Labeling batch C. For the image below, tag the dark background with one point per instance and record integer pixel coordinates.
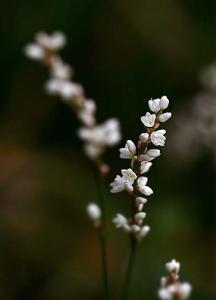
(124, 52)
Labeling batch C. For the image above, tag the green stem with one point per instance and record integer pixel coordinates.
(102, 234)
(129, 272)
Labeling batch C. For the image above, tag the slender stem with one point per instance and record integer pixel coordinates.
(102, 233)
(129, 272)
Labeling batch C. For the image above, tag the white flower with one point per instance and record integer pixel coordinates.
(145, 190)
(185, 290)
(128, 176)
(120, 221)
(164, 102)
(172, 266)
(92, 150)
(55, 41)
(135, 228)
(68, 90)
(143, 232)
(148, 120)
(112, 134)
(145, 166)
(165, 294)
(86, 113)
(157, 137)
(94, 211)
(60, 70)
(34, 51)
(53, 86)
(129, 151)
(144, 137)
(164, 117)
(140, 201)
(151, 154)
(154, 105)
(117, 185)
(139, 217)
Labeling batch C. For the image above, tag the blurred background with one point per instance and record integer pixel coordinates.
(124, 52)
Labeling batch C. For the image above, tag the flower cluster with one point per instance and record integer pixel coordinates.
(171, 287)
(96, 137)
(133, 180)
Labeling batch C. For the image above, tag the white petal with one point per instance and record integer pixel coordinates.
(164, 117)
(93, 211)
(148, 120)
(164, 102)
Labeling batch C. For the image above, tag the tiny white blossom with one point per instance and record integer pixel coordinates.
(93, 211)
(154, 105)
(172, 266)
(128, 151)
(34, 51)
(148, 120)
(53, 86)
(119, 220)
(144, 137)
(151, 154)
(164, 102)
(164, 117)
(157, 137)
(145, 190)
(128, 176)
(139, 217)
(117, 185)
(145, 166)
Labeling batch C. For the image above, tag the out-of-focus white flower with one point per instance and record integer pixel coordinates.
(117, 185)
(144, 137)
(129, 151)
(86, 113)
(119, 220)
(140, 201)
(151, 154)
(165, 294)
(148, 120)
(66, 89)
(93, 211)
(145, 190)
(107, 133)
(157, 137)
(143, 232)
(92, 150)
(60, 70)
(145, 166)
(184, 290)
(164, 102)
(172, 266)
(154, 105)
(135, 228)
(139, 217)
(112, 132)
(164, 117)
(55, 41)
(34, 51)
